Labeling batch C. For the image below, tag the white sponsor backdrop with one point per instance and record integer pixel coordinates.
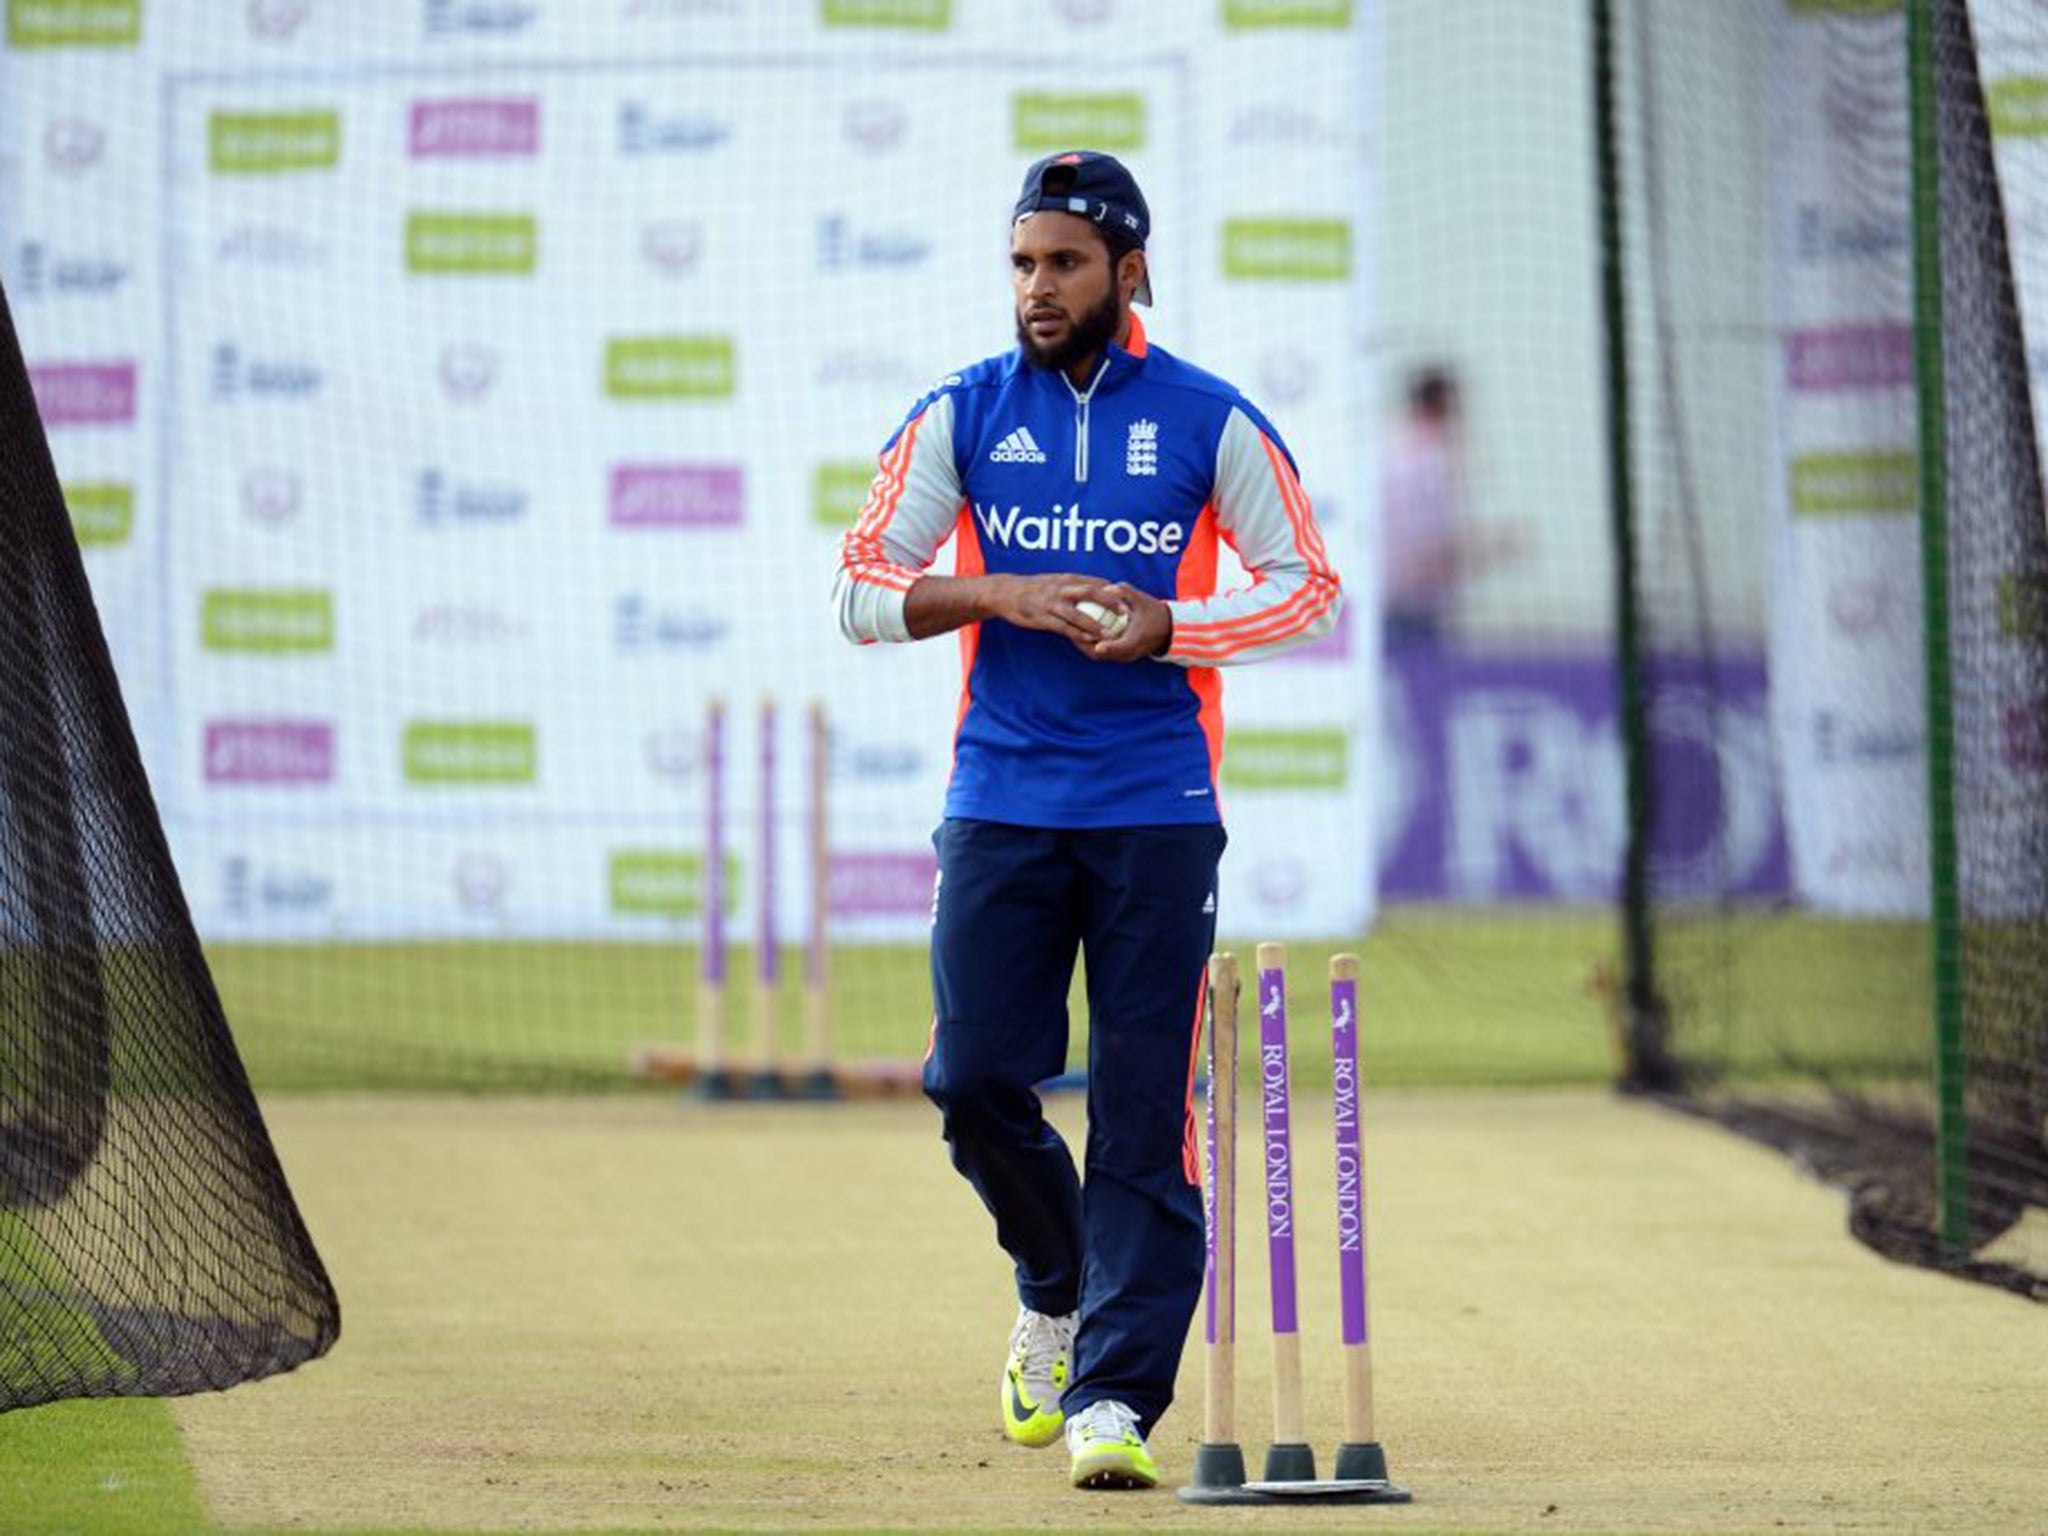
(1848, 667)
(454, 395)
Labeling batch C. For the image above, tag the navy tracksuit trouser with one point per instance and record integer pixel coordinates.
(1124, 1246)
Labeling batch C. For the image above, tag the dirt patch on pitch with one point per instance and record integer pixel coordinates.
(624, 1314)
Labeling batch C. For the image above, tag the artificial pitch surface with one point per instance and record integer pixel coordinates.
(618, 1313)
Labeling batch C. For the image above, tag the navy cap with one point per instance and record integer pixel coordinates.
(1095, 187)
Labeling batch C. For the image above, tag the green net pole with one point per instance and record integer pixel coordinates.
(1648, 1067)
(1952, 1131)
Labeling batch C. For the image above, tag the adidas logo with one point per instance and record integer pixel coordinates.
(1209, 905)
(1018, 448)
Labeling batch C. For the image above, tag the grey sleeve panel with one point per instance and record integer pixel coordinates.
(913, 503)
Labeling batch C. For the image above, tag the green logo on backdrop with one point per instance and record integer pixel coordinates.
(471, 242)
(102, 512)
(670, 367)
(267, 619)
(917, 15)
(74, 23)
(264, 143)
(660, 882)
(471, 752)
(1285, 760)
(1240, 14)
(2023, 608)
(1296, 250)
(1844, 7)
(1876, 481)
(1042, 122)
(2018, 107)
(839, 491)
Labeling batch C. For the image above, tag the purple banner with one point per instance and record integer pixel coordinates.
(1502, 779)
(1274, 1110)
(1350, 1160)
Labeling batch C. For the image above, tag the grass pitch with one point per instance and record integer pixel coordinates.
(617, 1312)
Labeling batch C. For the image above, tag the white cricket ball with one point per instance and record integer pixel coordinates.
(1114, 621)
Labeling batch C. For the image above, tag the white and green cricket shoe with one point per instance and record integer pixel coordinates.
(1041, 1354)
(1107, 1450)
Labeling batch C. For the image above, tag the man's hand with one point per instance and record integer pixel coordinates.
(1147, 632)
(1050, 603)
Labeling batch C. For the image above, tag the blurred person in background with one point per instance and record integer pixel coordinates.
(1088, 478)
(1429, 551)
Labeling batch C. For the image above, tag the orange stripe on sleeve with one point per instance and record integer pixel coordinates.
(1196, 578)
(1291, 617)
(887, 488)
(1301, 608)
(1308, 539)
(967, 561)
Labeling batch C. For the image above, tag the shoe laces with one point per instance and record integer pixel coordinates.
(1107, 1420)
(1039, 1341)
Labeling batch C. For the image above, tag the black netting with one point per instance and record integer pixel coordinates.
(148, 1242)
(1768, 182)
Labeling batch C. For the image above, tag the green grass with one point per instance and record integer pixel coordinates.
(42, 1335)
(97, 1469)
(1470, 1001)
(1450, 997)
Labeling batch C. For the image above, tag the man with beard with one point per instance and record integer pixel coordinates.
(1088, 478)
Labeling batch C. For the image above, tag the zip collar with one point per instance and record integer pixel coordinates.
(1119, 365)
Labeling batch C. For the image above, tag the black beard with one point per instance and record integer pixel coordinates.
(1089, 334)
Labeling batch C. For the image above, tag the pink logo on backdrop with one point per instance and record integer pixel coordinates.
(883, 884)
(271, 496)
(84, 394)
(677, 496)
(476, 128)
(73, 145)
(277, 21)
(468, 369)
(1850, 357)
(269, 752)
